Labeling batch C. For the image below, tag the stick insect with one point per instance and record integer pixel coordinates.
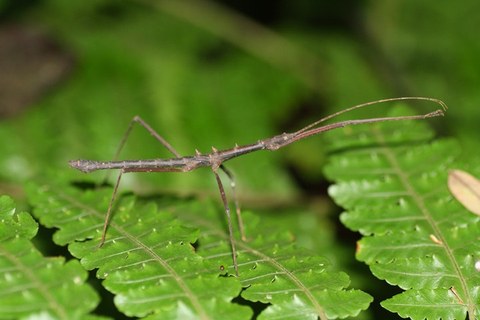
(216, 158)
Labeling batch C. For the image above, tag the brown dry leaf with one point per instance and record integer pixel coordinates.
(466, 189)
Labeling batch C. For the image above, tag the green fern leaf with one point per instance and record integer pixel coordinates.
(436, 303)
(150, 266)
(32, 286)
(147, 259)
(416, 235)
(296, 282)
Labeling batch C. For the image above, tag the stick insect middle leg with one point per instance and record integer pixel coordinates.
(235, 199)
(229, 219)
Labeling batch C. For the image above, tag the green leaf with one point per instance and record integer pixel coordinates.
(32, 286)
(296, 282)
(393, 184)
(15, 225)
(147, 259)
(437, 303)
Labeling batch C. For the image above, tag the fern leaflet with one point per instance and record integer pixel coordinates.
(393, 185)
(148, 261)
(32, 286)
(297, 283)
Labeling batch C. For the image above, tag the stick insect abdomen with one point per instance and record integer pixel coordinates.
(147, 165)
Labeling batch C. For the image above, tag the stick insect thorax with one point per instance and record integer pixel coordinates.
(216, 158)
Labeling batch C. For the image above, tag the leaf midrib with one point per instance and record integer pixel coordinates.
(391, 158)
(178, 279)
(44, 290)
(244, 245)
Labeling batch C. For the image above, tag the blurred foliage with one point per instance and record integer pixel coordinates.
(204, 75)
(435, 47)
(199, 89)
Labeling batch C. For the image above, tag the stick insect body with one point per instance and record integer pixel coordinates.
(216, 158)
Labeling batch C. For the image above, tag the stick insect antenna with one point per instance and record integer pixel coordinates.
(308, 131)
(363, 105)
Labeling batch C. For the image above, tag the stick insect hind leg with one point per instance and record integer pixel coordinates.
(169, 147)
(152, 132)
